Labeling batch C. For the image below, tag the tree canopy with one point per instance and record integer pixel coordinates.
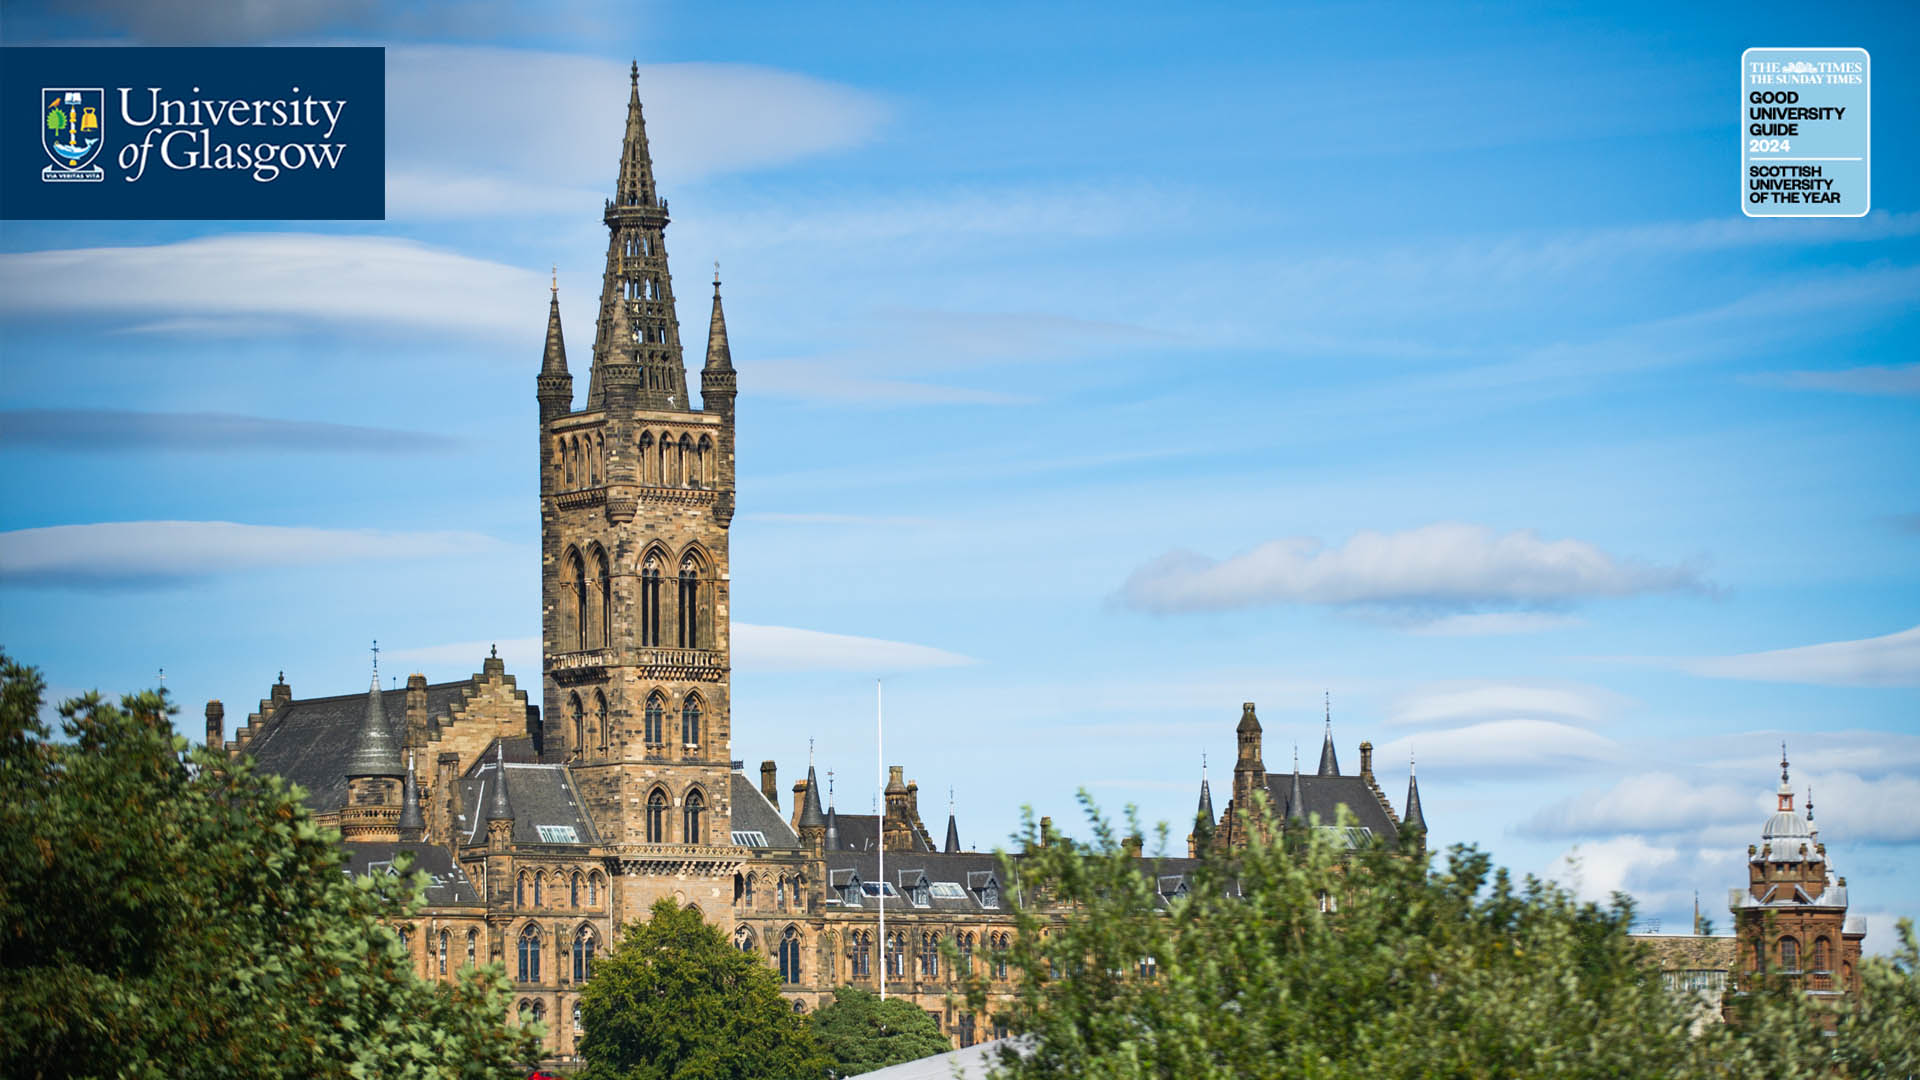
(166, 912)
(1306, 959)
(675, 999)
(862, 1033)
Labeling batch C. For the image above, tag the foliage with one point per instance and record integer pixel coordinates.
(675, 999)
(1306, 960)
(169, 913)
(863, 1033)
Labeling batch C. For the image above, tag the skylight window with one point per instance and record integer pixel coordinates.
(749, 838)
(948, 890)
(558, 834)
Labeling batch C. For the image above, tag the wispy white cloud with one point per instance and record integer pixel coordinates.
(1656, 802)
(1891, 379)
(91, 431)
(1495, 623)
(757, 650)
(1452, 703)
(300, 280)
(1439, 569)
(151, 552)
(1505, 743)
(510, 126)
(761, 649)
(1888, 660)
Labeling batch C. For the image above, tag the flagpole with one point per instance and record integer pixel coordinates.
(880, 819)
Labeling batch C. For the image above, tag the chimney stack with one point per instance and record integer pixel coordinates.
(216, 725)
(769, 783)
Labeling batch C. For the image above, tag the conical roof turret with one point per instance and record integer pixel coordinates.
(1413, 818)
(1296, 799)
(553, 361)
(499, 808)
(375, 751)
(1329, 761)
(811, 816)
(412, 822)
(952, 846)
(1204, 812)
(719, 354)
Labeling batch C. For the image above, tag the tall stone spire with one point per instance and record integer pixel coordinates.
(1329, 762)
(555, 382)
(375, 751)
(636, 281)
(1296, 799)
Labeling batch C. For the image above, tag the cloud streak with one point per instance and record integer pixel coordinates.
(148, 553)
(757, 649)
(117, 430)
(1441, 568)
(1888, 379)
(1888, 660)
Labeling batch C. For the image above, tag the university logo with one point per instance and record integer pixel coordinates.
(72, 129)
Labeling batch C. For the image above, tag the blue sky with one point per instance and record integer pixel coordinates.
(1102, 368)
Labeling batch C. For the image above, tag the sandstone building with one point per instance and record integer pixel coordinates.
(548, 822)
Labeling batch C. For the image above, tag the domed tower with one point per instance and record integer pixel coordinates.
(1791, 919)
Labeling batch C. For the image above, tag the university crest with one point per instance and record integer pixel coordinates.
(72, 130)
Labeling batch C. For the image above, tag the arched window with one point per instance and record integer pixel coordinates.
(746, 895)
(999, 956)
(896, 955)
(695, 807)
(583, 954)
(529, 954)
(573, 890)
(599, 455)
(790, 956)
(647, 460)
(743, 939)
(579, 470)
(566, 460)
(579, 716)
(702, 456)
(520, 890)
(445, 940)
(576, 1016)
(577, 586)
(965, 944)
(780, 893)
(473, 948)
(690, 722)
(1820, 957)
(656, 719)
(657, 817)
(666, 452)
(689, 603)
(930, 955)
(1789, 954)
(406, 941)
(539, 1012)
(686, 454)
(593, 889)
(860, 955)
(798, 896)
(604, 577)
(650, 601)
(539, 889)
(601, 735)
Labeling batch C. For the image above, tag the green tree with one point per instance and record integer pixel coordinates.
(675, 999)
(166, 913)
(1310, 960)
(861, 1033)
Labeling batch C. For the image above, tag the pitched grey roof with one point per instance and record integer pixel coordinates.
(753, 813)
(861, 832)
(538, 795)
(309, 740)
(1322, 795)
(449, 884)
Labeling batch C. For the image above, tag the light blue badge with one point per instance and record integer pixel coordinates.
(1806, 126)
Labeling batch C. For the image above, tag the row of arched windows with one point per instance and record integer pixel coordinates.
(586, 615)
(580, 461)
(787, 893)
(927, 957)
(529, 946)
(693, 817)
(1790, 955)
(548, 888)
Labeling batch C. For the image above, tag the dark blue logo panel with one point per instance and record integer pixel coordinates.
(193, 134)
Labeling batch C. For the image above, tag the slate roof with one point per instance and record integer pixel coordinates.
(449, 886)
(1323, 794)
(971, 870)
(861, 832)
(309, 741)
(753, 813)
(538, 794)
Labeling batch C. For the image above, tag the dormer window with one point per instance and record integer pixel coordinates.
(990, 895)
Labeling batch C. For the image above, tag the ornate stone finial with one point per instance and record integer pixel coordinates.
(493, 651)
(1328, 703)
(1203, 765)
(283, 677)
(376, 660)
(633, 75)
(716, 277)
(809, 753)
(556, 281)
(950, 800)
(829, 788)
(1783, 761)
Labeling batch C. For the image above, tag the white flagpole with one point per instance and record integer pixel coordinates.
(880, 819)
